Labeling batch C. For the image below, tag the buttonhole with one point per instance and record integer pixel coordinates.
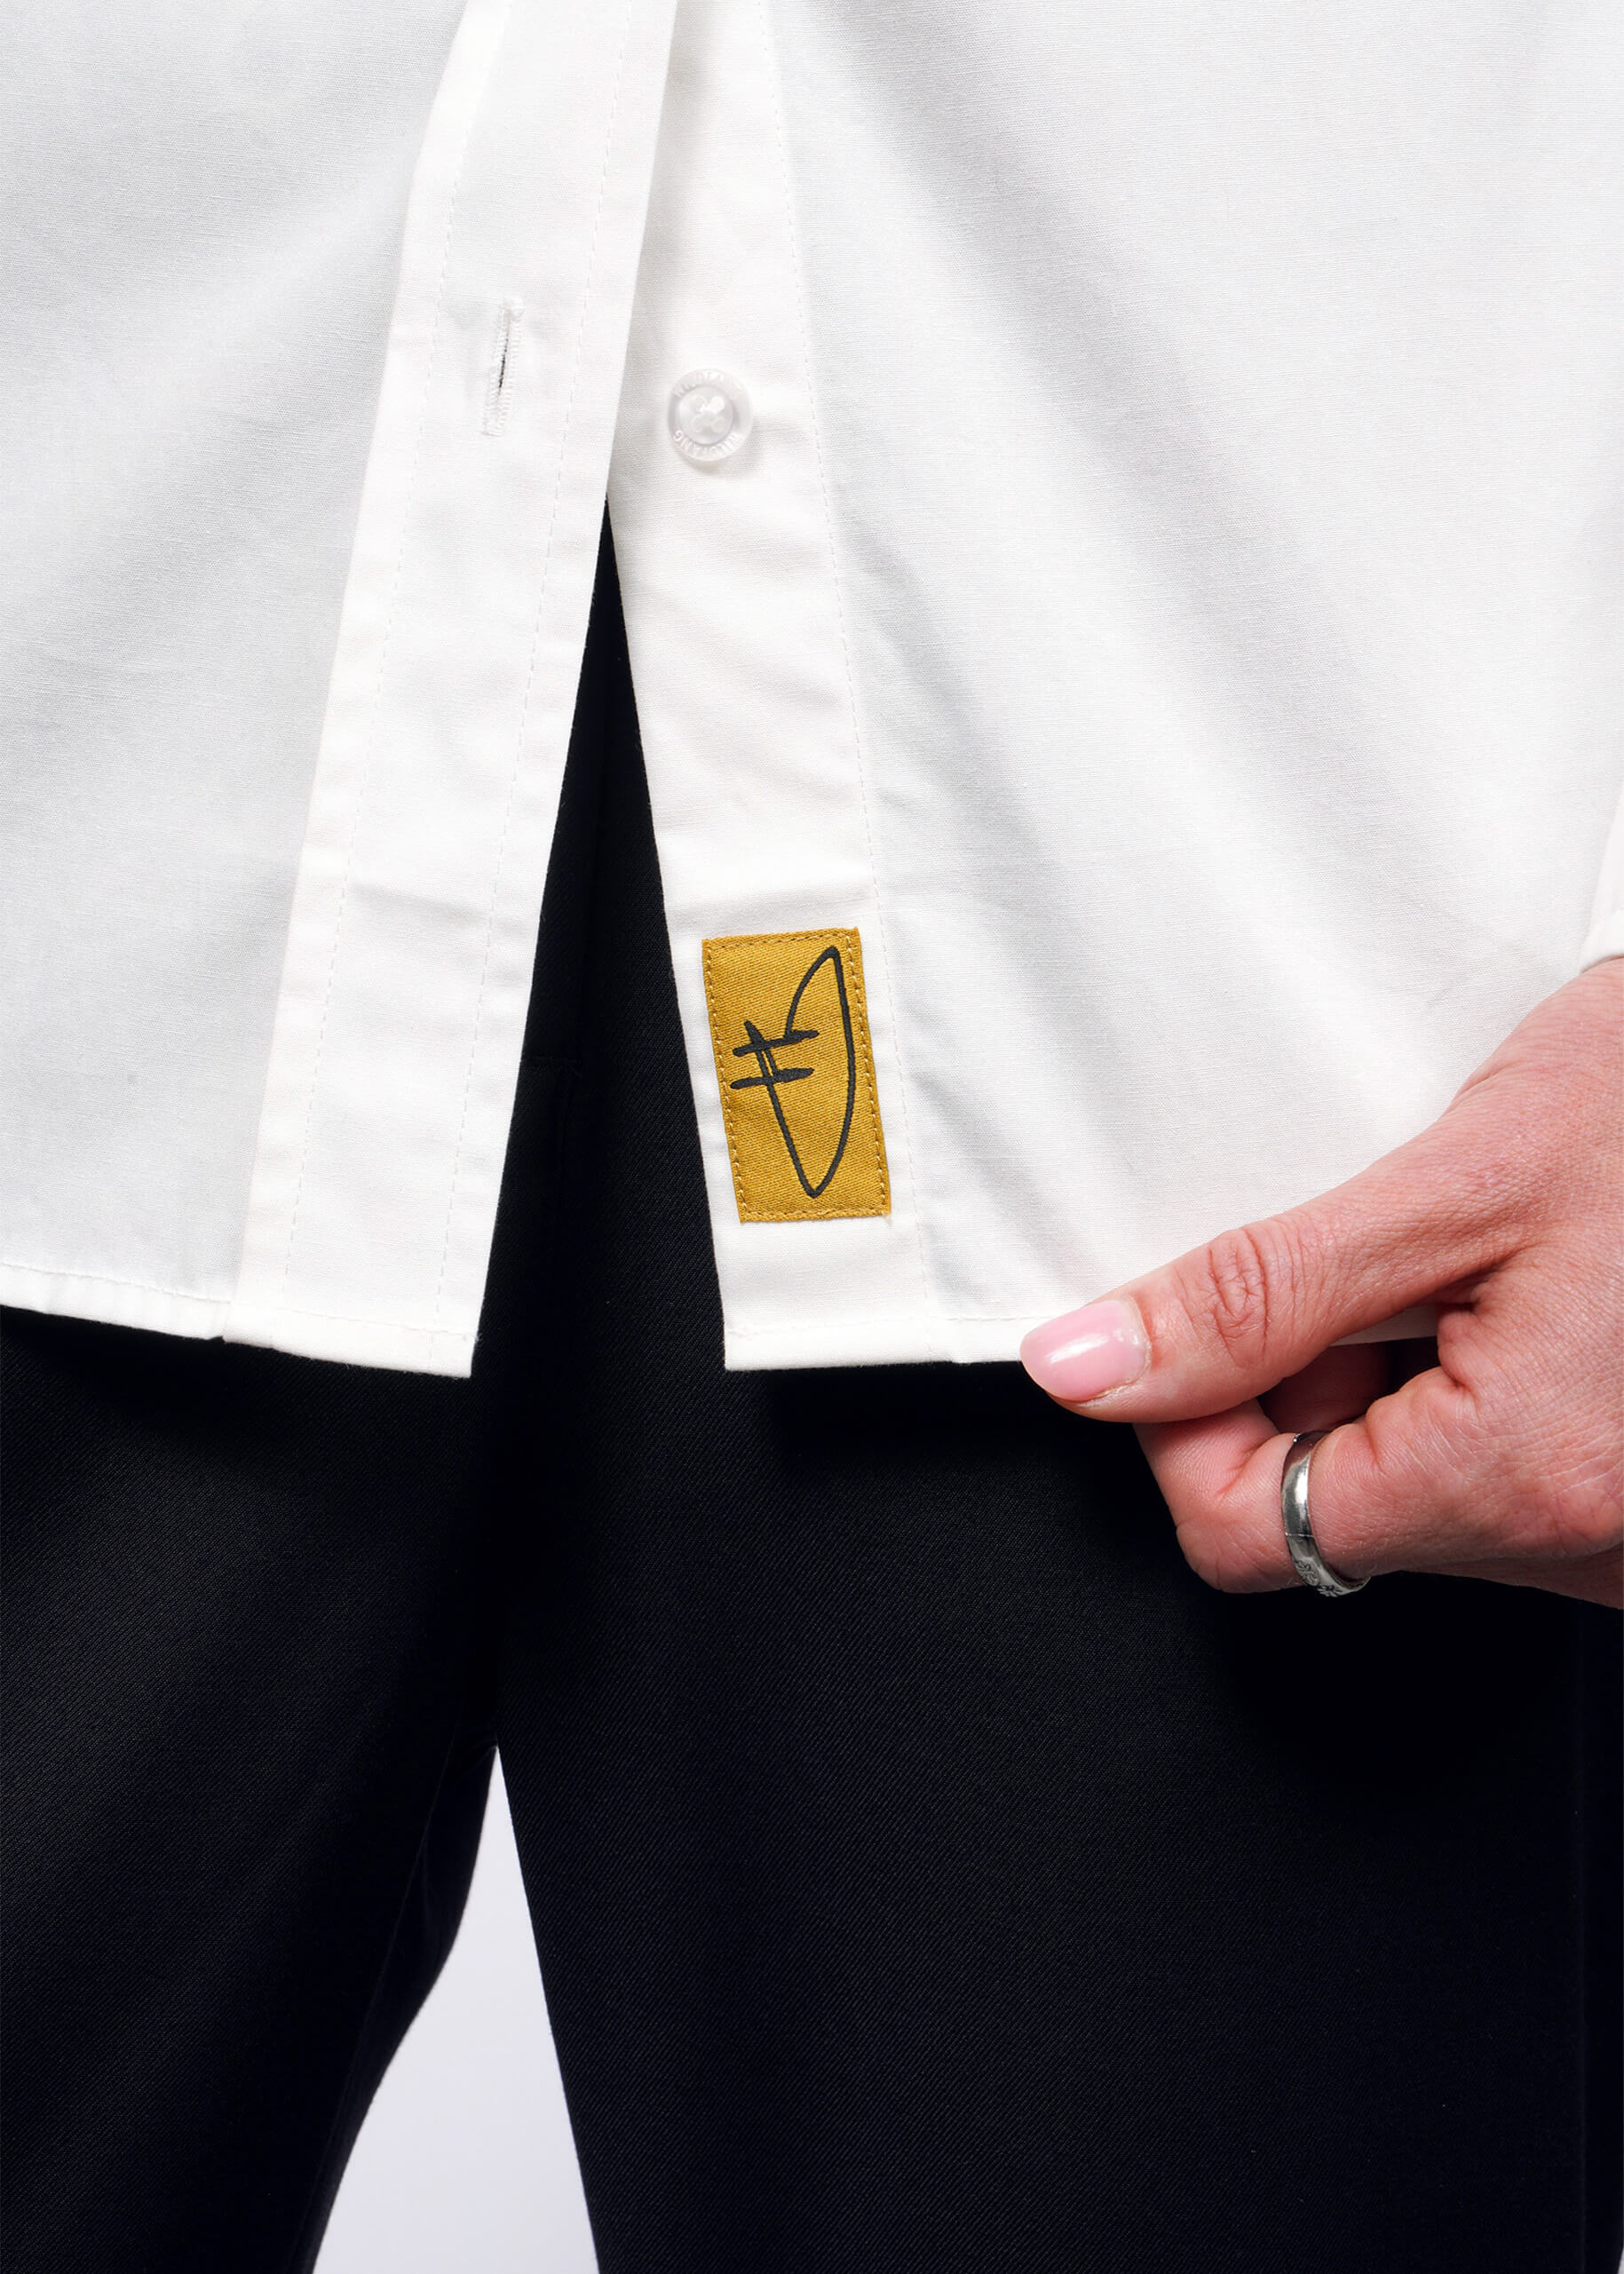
(504, 347)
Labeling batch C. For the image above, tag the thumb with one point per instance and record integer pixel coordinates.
(1228, 1322)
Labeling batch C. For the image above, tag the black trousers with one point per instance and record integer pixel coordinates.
(928, 1872)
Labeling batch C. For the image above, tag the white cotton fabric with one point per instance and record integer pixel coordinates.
(1169, 603)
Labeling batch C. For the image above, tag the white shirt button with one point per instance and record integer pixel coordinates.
(708, 414)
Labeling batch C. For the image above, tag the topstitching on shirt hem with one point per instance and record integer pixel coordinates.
(102, 1279)
(47, 1273)
(104, 1299)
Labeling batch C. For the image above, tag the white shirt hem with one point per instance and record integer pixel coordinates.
(110, 1302)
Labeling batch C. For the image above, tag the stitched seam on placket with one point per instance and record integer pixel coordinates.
(378, 693)
(931, 1306)
(535, 643)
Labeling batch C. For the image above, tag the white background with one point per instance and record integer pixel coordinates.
(465, 2159)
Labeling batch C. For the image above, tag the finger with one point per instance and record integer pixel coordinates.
(1393, 1490)
(1337, 1386)
(1231, 1321)
(1589, 1579)
(1208, 1472)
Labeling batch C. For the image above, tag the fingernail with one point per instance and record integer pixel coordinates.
(1102, 1347)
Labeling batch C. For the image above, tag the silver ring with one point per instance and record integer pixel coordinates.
(1308, 1563)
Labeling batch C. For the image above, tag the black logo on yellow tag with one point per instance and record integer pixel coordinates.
(794, 1068)
(773, 1077)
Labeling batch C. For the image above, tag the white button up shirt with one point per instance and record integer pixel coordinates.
(1116, 505)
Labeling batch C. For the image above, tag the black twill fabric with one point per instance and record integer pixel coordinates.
(928, 1872)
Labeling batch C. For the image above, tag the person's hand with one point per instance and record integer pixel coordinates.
(1500, 1460)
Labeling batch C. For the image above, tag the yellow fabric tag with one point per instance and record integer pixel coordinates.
(790, 1027)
